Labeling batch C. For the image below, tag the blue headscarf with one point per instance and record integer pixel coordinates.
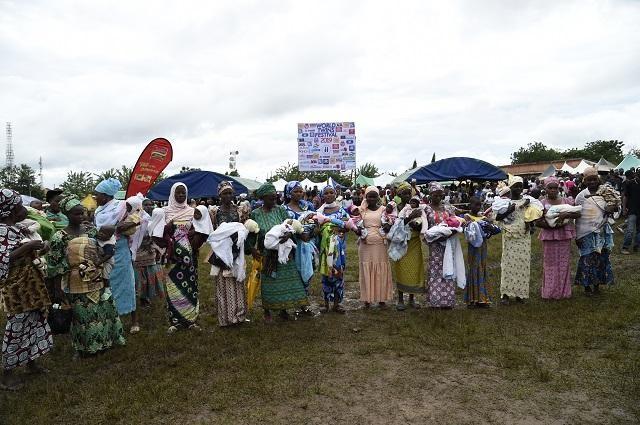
(109, 187)
(290, 187)
(327, 187)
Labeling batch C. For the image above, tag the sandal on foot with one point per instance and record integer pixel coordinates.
(134, 329)
(172, 330)
(338, 309)
(401, 307)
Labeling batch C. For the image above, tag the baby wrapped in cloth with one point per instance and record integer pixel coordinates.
(533, 207)
(273, 236)
(227, 245)
(85, 263)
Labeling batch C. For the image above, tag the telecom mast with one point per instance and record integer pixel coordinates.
(40, 173)
(9, 146)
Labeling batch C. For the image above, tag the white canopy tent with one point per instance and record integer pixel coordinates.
(567, 168)
(308, 184)
(584, 164)
(383, 180)
(280, 184)
(605, 166)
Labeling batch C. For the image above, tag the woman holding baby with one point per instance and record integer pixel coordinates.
(409, 270)
(441, 291)
(281, 285)
(75, 263)
(556, 237)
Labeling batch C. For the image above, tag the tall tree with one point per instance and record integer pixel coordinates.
(21, 178)
(534, 152)
(123, 174)
(79, 183)
(611, 150)
(368, 169)
(433, 158)
(415, 164)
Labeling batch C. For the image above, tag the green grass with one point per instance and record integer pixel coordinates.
(571, 361)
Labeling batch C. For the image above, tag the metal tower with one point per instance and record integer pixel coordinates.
(9, 146)
(40, 173)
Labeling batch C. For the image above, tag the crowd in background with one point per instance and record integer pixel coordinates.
(66, 270)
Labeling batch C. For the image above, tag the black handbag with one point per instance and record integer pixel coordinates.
(60, 318)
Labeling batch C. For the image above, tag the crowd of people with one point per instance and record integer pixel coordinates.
(58, 261)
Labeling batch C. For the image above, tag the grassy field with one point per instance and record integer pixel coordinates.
(575, 361)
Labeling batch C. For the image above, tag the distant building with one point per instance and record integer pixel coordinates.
(534, 169)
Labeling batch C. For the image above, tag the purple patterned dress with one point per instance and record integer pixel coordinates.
(441, 292)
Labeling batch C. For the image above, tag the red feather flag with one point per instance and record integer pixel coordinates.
(152, 161)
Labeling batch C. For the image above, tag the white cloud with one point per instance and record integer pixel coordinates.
(88, 84)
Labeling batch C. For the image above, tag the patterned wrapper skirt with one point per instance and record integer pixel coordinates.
(516, 266)
(182, 289)
(27, 336)
(478, 288)
(150, 281)
(284, 289)
(231, 298)
(594, 269)
(441, 292)
(95, 326)
(556, 274)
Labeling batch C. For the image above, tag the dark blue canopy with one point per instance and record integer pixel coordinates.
(201, 184)
(457, 168)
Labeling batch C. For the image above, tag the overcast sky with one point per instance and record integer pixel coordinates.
(86, 84)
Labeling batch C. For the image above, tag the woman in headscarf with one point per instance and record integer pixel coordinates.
(556, 245)
(149, 274)
(441, 292)
(54, 215)
(376, 285)
(594, 236)
(332, 250)
(112, 212)
(409, 270)
(231, 295)
(95, 323)
(182, 279)
(516, 246)
(27, 335)
(281, 284)
(295, 203)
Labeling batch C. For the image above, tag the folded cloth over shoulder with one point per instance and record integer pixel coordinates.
(222, 245)
(554, 211)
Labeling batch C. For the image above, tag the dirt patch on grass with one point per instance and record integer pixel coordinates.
(386, 389)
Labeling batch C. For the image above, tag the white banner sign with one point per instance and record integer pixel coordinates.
(327, 146)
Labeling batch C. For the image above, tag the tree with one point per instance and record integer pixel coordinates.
(79, 183)
(433, 159)
(611, 150)
(535, 152)
(593, 151)
(123, 174)
(232, 173)
(22, 179)
(291, 172)
(368, 170)
(415, 164)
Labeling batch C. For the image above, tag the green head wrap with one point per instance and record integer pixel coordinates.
(68, 202)
(265, 189)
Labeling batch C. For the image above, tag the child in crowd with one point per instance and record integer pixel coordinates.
(106, 245)
(389, 216)
(356, 223)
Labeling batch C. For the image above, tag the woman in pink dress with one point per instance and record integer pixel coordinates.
(375, 271)
(556, 245)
